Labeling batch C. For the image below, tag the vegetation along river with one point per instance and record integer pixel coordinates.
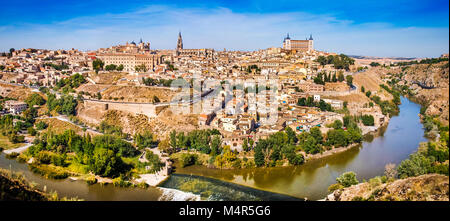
(311, 180)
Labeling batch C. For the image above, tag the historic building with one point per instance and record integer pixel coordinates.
(301, 45)
(180, 51)
(130, 55)
(132, 47)
(130, 61)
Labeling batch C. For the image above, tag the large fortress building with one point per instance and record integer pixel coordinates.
(300, 45)
(130, 55)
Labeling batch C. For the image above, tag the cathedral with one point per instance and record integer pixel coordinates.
(180, 51)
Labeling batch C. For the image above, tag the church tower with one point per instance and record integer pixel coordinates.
(179, 42)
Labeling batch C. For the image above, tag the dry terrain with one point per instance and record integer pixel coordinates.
(430, 187)
(336, 86)
(59, 126)
(107, 78)
(17, 92)
(131, 123)
(434, 75)
(92, 89)
(371, 81)
(161, 125)
(137, 94)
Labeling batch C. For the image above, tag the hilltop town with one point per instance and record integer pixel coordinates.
(225, 109)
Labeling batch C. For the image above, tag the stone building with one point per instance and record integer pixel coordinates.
(130, 61)
(301, 45)
(180, 51)
(15, 107)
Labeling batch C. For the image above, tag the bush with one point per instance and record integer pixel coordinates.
(143, 185)
(416, 165)
(187, 159)
(31, 131)
(12, 155)
(49, 171)
(297, 160)
(44, 157)
(120, 182)
(91, 180)
(334, 187)
(367, 120)
(347, 179)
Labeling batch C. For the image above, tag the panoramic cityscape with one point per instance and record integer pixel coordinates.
(218, 102)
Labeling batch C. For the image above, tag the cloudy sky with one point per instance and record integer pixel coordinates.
(374, 28)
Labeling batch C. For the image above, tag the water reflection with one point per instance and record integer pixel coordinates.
(396, 141)
(391, 145)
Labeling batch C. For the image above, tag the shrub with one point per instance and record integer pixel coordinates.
(91, 180)
(347, 179)
(297, 160)
(49, 171)
(187, 159)
(367, 120)
(334, 187)
(120, 182)
(376, 181)
(12, 155)
(143, 185)
(416, 165)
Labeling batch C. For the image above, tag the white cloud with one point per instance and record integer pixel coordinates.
(222, 28)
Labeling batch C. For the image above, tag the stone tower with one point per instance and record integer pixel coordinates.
(179, 42)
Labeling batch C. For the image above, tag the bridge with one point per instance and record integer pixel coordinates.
(422, 85)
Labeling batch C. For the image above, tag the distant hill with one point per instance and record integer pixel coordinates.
(380, 58)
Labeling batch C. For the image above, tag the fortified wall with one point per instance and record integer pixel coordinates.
(148, 109)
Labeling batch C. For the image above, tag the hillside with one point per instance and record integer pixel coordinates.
(434, 76)
(429, 187)
(13, 187)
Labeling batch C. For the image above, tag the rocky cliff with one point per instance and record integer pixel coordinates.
(429, 187)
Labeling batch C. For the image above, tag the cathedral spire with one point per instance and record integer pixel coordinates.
(179, 42)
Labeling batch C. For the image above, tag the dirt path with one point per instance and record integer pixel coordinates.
(19, 149)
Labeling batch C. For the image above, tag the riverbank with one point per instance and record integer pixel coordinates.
(390, 144)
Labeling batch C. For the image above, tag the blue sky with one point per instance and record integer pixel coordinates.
(375, 28)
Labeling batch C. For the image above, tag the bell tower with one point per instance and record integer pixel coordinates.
(179, 42)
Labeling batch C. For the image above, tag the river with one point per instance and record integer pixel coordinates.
(311, 180)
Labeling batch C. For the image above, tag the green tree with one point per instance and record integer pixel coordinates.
(311, 146)
(322, 60)
(97, 64)
(367, 120)
(337, 124)
(173, 139)
(349, 80)
(245, 146)
(340, 76)
(416, 165)
(110, 67)
(34, 99)
(105, 162)
(316, 134)
(291, 135)
(216, 144)
(374, 64)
